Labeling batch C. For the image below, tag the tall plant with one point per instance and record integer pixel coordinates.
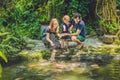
(21, 18)
(106, 11)
(5, 59)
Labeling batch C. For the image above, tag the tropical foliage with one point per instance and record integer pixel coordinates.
(5, 59)
(22, 19)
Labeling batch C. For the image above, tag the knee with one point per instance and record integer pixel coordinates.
(54, 51)
(73, 38)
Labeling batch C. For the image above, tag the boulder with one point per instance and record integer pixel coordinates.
(108, 39)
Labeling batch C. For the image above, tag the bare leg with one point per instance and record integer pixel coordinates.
(67, 44)
(62, 44)
(52, 58)
(79, 43)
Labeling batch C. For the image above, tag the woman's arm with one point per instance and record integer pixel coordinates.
(58, 34)
(48, 39)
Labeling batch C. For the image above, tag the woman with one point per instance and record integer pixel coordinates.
(50, 37)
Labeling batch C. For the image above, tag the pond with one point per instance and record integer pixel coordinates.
(45, 70)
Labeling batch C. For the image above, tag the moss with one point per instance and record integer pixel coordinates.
(31, 56)
(114, 49)
(45, 54)
(117, 50)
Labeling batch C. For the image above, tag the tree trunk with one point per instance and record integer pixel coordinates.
(106, 11)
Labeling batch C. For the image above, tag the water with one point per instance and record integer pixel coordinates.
(45, 71)
(70, 71)
(109, 71)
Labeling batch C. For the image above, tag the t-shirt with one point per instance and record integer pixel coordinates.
(67, 26)
(47, 30)
(80, 26)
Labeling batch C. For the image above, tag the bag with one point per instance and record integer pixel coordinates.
(43, 32)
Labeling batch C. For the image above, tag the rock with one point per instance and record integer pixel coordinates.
(116, 57)
(60, 66)
(93, 42)
(19, 79)
(95, 66)
(108, 39)
(30, 46)
(35, 45)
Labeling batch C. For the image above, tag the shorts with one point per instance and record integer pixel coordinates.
(66, 37)
(81, 38)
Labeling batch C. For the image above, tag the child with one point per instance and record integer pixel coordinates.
(50, 37)
(65, 29)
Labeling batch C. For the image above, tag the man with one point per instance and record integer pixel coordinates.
(80, 35)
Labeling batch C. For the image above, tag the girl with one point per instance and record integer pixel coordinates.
(50, 37)
(65, 29)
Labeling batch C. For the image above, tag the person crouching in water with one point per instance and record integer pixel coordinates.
(51, 39)
(65, 29)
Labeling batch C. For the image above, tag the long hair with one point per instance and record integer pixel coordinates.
(51, 25)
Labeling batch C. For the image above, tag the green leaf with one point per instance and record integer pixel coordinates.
(3, 57)
(0, 71)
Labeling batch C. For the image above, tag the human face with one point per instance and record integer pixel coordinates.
(55, 24)
(67, 20)
(76, 20)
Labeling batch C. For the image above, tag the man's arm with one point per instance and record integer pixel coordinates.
(70, 29)
(75, 34)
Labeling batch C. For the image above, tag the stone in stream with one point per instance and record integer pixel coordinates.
(116, 57)
(60, 66)
(95, 66)
(30, 46)
(109, 39)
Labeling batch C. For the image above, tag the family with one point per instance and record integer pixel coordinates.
(52, 32)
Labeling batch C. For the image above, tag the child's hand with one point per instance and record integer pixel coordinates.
(52, 44)
(65, 34)
(60, 36)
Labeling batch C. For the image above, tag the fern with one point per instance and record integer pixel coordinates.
(5, 59)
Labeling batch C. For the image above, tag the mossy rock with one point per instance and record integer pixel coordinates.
(108, 39)
(30, 56)
(117, 50)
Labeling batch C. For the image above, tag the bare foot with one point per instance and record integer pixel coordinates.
(52, 59)
(60, 66)
(79, 46)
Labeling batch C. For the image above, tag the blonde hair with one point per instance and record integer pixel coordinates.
(66, 17)
(51, 25)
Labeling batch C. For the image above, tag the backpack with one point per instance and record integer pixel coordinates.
(43, 32)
